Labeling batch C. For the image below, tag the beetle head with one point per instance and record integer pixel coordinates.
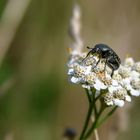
(93, 50)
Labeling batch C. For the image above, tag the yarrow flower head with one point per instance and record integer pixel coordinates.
(119, 88)
(108, 82)
(91, 71)
(100, 71)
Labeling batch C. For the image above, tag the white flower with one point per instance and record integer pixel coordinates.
(118, 89)
(110, 103)
(117, 76)
(70, 71)
(128, 98)
(126, 83)
(90, 61)
(88, 70)
(99, 85)
(135, 74)
(115, 83)
(79, 71)
(137, 66)
(129, 62)
(134, 92)
(124, 71)
(135, 82)
(112, 88)
(86, 86)
(84, 70)
(100, 67)
(135, 87)
(118, 102)
(75, 80)
(90, 78)
(108, 98)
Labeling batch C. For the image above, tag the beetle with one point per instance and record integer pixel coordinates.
(112, 60)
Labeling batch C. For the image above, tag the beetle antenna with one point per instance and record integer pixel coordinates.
(89, 48)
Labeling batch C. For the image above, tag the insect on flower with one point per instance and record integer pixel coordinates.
(112, 60)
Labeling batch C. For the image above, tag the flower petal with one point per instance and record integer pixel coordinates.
(86, 86)
(88, 70)
(135, 92)
(118, 102)
(111, 89)
(70, 71)
(128, 98)
(74, 80)
(129, 62)
(114, 83)
(99, 85)
(110, 103)
(135, 74)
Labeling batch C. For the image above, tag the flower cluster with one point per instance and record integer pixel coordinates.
(119, 88)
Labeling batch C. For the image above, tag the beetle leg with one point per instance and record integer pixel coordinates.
(92, 50)
(112, 72)
(105, 64)
(110, 65)
(86, 56)
(97, 63)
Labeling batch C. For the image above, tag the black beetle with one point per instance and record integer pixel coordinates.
(112, 60)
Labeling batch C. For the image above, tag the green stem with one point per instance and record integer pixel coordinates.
(88, 95)
(95, 110)
(98, 97)
(94, 102)
(107, 116)
(88, 116)
(95, 123)
(101, 93)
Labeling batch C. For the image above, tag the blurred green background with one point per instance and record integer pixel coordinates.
(36, 100)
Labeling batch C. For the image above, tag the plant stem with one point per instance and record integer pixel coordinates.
(107, 116)
(88, 95)
(96, 134)
(95, 110)
(95, 123)
(91, 104)
(98, 97)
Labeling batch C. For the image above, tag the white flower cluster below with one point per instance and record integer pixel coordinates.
(119, 88)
